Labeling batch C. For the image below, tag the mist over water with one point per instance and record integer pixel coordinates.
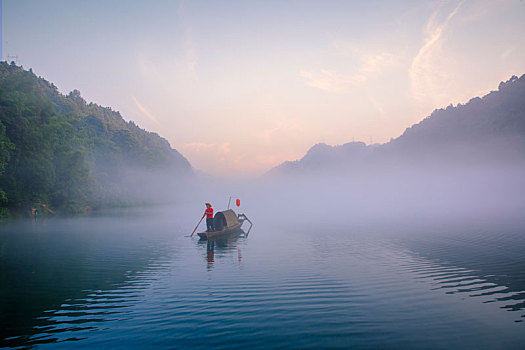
(384, 254)
(391, 259)
(389, 196)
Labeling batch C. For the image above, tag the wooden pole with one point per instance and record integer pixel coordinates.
(195, 229)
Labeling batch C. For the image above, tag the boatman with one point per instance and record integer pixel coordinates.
(209, 217)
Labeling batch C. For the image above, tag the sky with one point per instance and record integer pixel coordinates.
(239, 87)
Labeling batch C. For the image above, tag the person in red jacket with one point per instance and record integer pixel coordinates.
(209, 217)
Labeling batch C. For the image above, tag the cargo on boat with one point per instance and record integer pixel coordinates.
(226, 223)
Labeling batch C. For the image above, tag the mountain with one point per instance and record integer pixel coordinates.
(487, 129)
(68, 154)
(322, 157)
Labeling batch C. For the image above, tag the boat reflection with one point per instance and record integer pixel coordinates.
(223, 248)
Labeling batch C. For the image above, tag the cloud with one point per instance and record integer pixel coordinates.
(507, 53)
(425, 77)
(376, 62)
(371, 64)
(285, 125)
(331, 81)
(378, 107)
(224, 148)
(145, 111)
(223, 158)
(200, 147)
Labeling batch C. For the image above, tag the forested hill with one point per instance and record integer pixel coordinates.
(69, 155)
(486, 130)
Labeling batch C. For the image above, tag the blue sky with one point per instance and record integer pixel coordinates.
(240, 86)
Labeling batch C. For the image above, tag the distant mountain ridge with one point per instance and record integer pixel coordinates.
(491, 128)
(70, 154)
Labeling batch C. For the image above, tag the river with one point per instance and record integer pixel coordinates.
(136, 280)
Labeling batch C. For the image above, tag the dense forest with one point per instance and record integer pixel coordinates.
(61, 153)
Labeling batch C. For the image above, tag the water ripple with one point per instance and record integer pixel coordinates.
(458, 280)
(286, 290)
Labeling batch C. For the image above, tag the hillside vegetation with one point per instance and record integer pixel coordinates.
(485, 131)
(462, 164)
(64, 153)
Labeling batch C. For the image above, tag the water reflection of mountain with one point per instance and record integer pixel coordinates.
(485, 264)
(222, 248)
(66, 270)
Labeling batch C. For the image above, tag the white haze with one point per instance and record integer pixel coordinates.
(404, 197)
(461, 165)
(478, 196)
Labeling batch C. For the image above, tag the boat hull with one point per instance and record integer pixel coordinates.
(222, 233)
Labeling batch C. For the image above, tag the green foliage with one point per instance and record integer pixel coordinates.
(6, 147)
(61, 151)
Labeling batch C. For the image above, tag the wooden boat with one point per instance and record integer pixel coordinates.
(226, 223)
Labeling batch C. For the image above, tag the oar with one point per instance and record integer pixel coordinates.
(195, 229)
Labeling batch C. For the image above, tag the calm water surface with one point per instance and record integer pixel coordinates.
(137, 281)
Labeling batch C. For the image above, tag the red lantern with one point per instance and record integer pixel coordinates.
(238, 202)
